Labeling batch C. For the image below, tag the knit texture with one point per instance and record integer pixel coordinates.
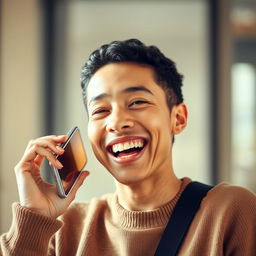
(225, 224)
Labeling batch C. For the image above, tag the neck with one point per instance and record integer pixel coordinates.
(149, 194)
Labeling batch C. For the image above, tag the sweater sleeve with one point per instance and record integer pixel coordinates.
(240, 235)
(29, 233)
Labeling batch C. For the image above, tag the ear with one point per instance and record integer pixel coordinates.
(179, 117)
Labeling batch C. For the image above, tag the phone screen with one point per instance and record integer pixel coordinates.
(73, 160)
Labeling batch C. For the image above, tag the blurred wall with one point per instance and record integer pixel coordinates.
(20, 90)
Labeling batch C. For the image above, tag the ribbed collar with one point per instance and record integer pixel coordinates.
(146, 219)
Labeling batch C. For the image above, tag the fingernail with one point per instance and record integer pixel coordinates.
(59, 148)
(61, 136)
(59, 163)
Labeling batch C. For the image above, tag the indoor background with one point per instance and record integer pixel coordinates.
(45, 43)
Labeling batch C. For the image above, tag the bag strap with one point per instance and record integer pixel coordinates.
(181, 218)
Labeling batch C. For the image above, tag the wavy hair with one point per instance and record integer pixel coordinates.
(133, 50)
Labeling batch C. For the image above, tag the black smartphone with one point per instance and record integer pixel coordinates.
(73, 160)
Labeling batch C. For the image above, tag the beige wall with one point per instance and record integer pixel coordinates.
(20, 97)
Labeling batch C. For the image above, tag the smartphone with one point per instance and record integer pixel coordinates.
(73, 160)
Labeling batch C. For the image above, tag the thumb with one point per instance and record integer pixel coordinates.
(78, 184)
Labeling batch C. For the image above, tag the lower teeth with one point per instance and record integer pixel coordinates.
(127, 152)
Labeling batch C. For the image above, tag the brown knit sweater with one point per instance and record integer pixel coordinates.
(224, 225)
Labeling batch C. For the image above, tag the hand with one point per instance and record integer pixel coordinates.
(34, 192)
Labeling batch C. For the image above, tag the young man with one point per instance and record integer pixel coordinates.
(133, 96)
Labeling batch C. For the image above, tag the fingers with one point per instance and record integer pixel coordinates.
(44, 147)
(38, 160)
(41, 154)
(78, 184)
(50, 142)
(59, 139)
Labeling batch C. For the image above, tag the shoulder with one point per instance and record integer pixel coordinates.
(229, 197)
(228, 192)
(227, 219)
(231, 209)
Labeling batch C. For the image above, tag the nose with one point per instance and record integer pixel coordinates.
(119, 121)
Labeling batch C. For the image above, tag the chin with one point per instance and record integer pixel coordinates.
(128, 180)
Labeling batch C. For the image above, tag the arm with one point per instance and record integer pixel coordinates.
(35, 217)
(29, 234)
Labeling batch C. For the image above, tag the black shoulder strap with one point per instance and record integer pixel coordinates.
(181, 218)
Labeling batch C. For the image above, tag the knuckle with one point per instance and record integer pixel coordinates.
(34, 147)
(19, 167)
(49, 156)
(31, 142)
(51, 137)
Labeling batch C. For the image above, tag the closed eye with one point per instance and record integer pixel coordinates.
(138, 102)
(99, 111)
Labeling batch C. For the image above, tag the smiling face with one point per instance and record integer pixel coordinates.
(130, 125)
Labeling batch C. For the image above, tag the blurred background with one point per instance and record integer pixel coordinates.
(45, 43)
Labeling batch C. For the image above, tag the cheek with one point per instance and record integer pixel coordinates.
(93, 133)
(159, 123)
(95, 136)
(159, 126)
(90, 129)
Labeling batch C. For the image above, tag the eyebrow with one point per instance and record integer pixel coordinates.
(136, 88)
(126, 90)
(98, 97)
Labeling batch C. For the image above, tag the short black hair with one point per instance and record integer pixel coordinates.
(135, 51)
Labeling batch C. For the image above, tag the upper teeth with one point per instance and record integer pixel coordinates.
(127, 145)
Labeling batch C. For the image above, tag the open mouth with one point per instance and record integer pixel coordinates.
(127, 148)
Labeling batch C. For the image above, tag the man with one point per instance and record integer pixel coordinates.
(133, 96)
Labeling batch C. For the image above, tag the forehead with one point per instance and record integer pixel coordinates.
(114, 78)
